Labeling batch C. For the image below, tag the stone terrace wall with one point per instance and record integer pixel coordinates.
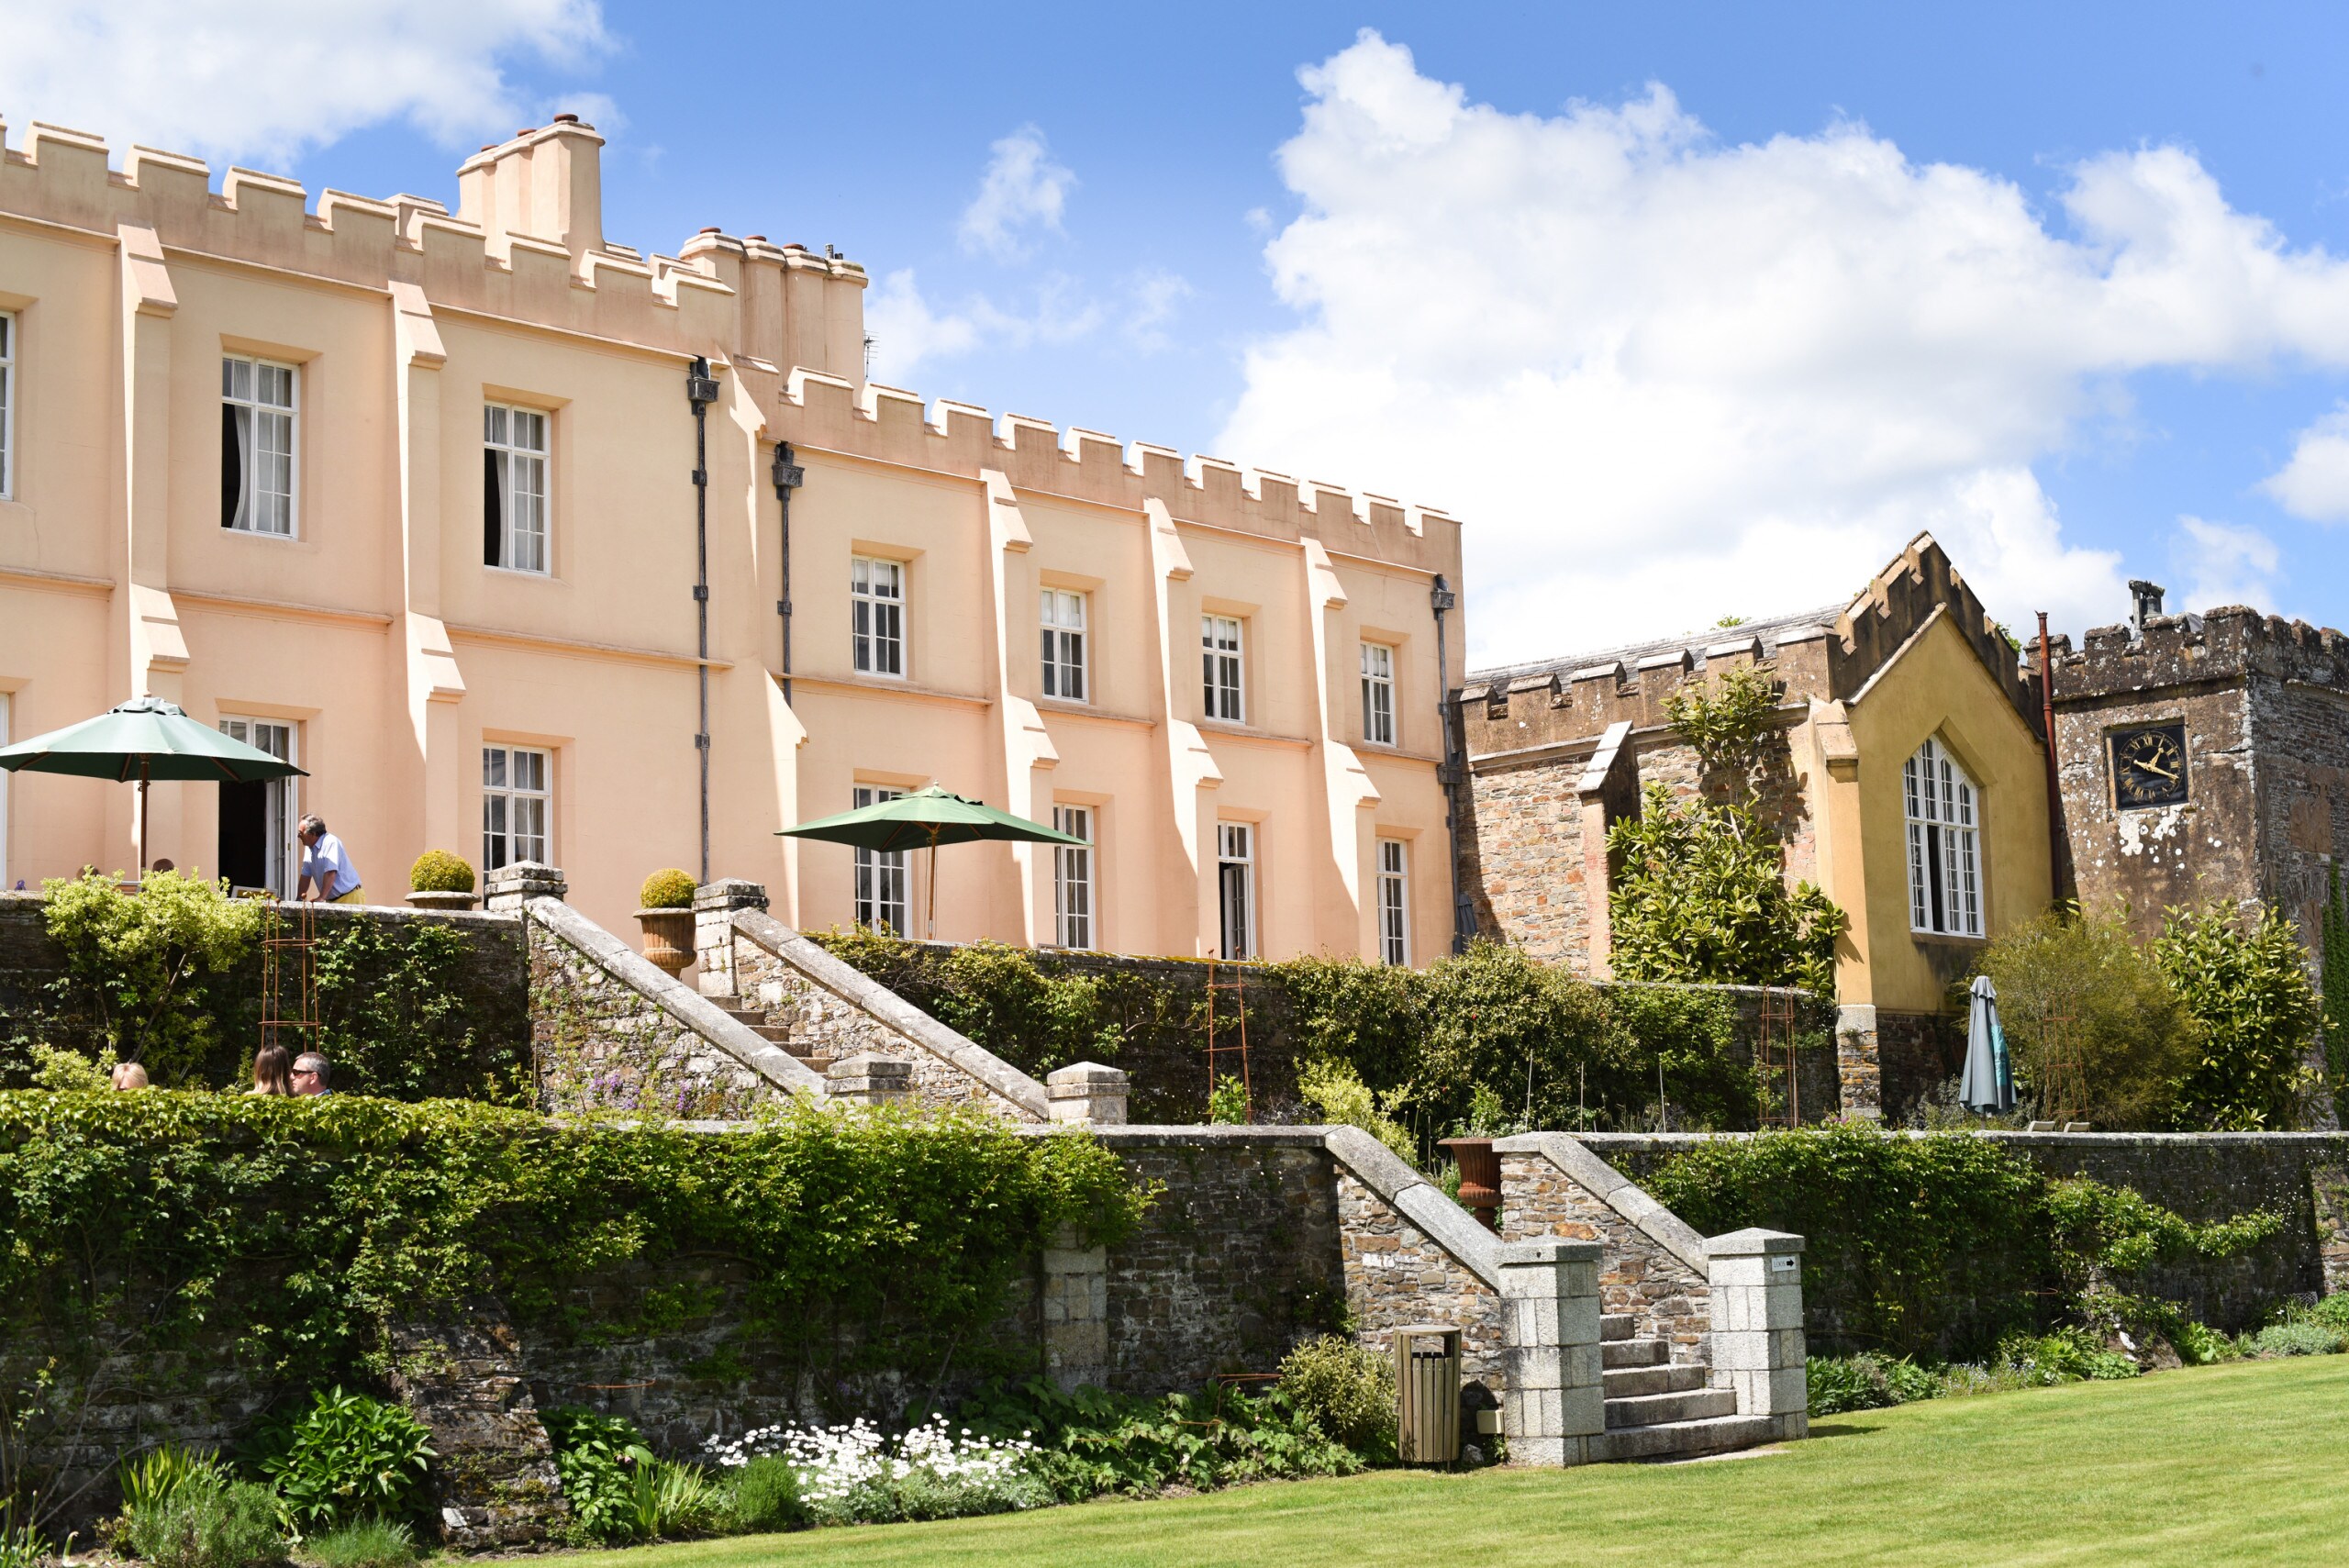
(2202, 1175)
(491, 980)
(1667, 1293)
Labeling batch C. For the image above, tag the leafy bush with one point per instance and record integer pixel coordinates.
(1346, 1391)
(438, 871)
(1090, 1442)
(1331, 1088)
(2333, 1310)
(207, 1522)
(364, 1544)
(143, 967)
(596, 1458)
(766, 1495)
(1535, 1034)
(669, 889)
(1227, 1102)
(1840, 1384)
(1703, 896)
(132, 1218)
(348, 1457)
(2256, 1014)
(2305, 1336)
(393, 1023)
(68, 1071)
(2097, 1031)
(2063, 1355)
(667, 1500)
(1941, 1244)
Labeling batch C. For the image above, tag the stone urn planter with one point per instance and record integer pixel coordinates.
(444, 900)
(1480, 1178)
(668, 938)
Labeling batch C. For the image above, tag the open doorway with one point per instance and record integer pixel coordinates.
(257, 819)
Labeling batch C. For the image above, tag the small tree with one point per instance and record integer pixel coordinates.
(1702, 897)
(2256, 1011)
(142, 963)
(2090, 1017)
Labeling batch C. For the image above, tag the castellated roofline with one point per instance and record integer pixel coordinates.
(2226, 643)
(526, 245)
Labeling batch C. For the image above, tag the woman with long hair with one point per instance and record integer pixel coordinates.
(273, 1072)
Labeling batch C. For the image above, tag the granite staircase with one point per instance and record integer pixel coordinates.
(758, 1023)
(1659, 1408)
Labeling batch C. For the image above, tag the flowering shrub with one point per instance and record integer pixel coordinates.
(853, 1475)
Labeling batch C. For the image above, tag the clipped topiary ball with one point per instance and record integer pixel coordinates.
(670, 889)
(438, 871)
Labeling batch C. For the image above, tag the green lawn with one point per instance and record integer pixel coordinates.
(2240, 1463)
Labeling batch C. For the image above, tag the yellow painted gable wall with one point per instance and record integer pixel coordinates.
(1935, 686)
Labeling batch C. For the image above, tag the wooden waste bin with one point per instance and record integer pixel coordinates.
(1427, 1394)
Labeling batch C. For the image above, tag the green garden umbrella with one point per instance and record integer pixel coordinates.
(145, 738)
(925, 819)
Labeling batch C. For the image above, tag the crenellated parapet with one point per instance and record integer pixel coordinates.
(2223, 645)
(1913, 588)
(526, 245)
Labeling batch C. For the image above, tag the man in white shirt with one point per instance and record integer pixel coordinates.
(326, 865)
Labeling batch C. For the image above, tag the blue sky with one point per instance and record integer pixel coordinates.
(1608, 359)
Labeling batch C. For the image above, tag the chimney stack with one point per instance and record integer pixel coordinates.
(2148, 597)
(545, 184)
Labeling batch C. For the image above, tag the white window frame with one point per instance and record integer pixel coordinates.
(1075, 894)
(8, 337)
(520, 546)
(1942, 812)
(1378, 693)
(505, 839)
(1223, 667)
(878, 598)
(259, 415)
(1393, 902)
(281, 861)
(6, 717)
(1235, 866)
(1063, 613)
(883, 891)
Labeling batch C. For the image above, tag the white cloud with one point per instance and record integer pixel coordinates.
(1157, 296)
(2315, 484)
(1662, 378)
(2229, 565)
(1022, 188)
(266, 80)
(907, 331)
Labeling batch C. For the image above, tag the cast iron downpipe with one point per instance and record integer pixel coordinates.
(1441, 598)
(789, 477)
(701, 391)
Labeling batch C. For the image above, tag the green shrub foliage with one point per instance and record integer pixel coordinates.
(595, 1458)
(1702, 897)
(2097, 1031)
(1090, 1443)
(297, 1228)
(1936, 1245)
(369, 1543)
(145, 968)
(1346, 1391)
(766, 1495)
(2245, 981)
(348, 1457)
(393, 1023)
(1546, 1047)
(209, 1521)
(669, 889)
(438, 871)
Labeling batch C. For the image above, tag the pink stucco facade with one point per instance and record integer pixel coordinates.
(396, 658)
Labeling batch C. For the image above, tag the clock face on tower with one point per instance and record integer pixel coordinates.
(2149, 766)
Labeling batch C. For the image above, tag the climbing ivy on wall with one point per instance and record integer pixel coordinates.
(299, 1230)
(2335, 953)
(1938, 1245)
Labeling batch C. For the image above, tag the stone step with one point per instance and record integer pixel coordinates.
(1630, 1382)
(1633, 1353)
(775, 1033)
(1617, 1326)
(1687, 1440)
(1659, 1409)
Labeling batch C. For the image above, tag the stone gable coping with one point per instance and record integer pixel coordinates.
(1417, 1199)
(680, 1001)
(1616, 1190)
(857, 990)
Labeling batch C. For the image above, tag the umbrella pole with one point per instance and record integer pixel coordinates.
(142, 819)
(930, 920)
